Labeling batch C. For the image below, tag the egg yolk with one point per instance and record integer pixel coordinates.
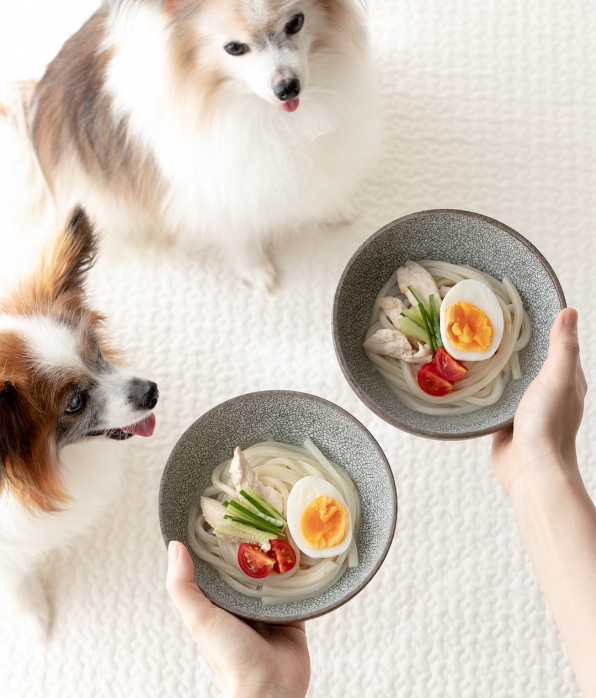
(325, 523)
(468, 327)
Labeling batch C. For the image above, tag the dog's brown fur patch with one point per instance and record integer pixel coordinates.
(342, 28)
(73, 121)
(27, 414)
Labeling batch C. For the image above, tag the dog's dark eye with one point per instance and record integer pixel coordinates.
(235, 48)
(295, 24)
(76, 403)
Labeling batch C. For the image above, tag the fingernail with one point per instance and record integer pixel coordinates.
(172, 552)
(570, 319)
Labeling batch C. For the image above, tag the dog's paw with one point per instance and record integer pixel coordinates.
(32, 609)
(262, 277)
(36, 626)
(255, 269)
(343, 218)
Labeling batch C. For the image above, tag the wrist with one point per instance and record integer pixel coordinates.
(539, 468)
(267, 688)
(538, 493)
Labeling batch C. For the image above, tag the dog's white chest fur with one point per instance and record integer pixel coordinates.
(90, 472)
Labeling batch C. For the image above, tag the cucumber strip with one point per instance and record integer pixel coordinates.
(271, 532)
(435, 320)
(247, 522)
(413, 330)
(262, 505)
(425, 319)
(252, 515)
(251, 509)
(239, 530)
(414, 315)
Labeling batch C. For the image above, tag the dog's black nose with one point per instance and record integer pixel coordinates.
(143, 394)
(148, 399)
(287, 89)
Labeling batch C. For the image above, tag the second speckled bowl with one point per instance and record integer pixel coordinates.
(287, 417)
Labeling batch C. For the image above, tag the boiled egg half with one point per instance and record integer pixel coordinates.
(318, 518)
(471, 321)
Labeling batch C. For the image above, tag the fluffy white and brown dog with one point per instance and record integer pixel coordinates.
(223, 122)
(64, 406)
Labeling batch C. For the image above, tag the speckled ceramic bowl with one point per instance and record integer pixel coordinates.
(287, 417)
(454, 236)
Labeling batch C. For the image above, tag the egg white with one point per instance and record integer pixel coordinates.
(301, 495)
(480, 295)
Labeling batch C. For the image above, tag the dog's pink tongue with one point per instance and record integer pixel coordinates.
(290, 105)
(143, 428)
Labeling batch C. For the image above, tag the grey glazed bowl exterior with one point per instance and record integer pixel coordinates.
(460, 237)
(288, 417)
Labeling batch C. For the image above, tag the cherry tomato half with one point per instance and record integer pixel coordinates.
(431, 382)
(283, 554)
(447, 367)
(253, 561)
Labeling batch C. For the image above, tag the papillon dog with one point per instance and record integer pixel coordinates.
(64, 408)
(223, 122)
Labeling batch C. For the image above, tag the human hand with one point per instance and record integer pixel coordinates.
(541, 441)
(249, 659)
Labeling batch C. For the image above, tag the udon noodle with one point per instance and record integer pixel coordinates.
(279, 466)
(485, 380)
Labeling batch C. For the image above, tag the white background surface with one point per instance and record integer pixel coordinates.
(488, 106)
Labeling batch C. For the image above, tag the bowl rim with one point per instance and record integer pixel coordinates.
(379, 411)
(373, 442)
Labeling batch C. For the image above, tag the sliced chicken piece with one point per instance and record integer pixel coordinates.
(393, 308)
(415, 275)
(214, 513)
(244, 476)
(265, 547)
(395, 344)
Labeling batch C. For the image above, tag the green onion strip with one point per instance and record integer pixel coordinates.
(426, 319)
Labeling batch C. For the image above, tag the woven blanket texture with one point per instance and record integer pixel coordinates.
(486, 106)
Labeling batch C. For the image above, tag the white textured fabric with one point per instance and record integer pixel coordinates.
(488, 106)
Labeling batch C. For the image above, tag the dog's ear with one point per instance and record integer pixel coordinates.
(71, 256)
(13, 428)
(28, 466)
(14, 442)
(61, 275)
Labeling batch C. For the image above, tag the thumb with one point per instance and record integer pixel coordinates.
(563, 347)
(195, 609)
